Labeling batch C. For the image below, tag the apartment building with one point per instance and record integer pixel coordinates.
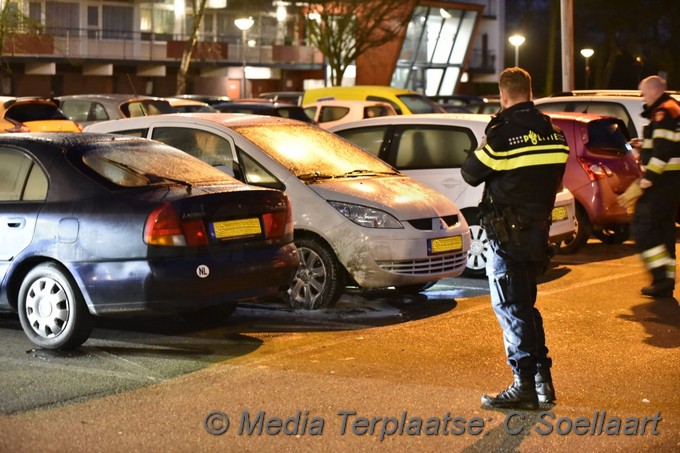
(135, 46)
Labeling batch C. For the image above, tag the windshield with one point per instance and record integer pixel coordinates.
(138, 164)
(420, 104)
(608, 137)
(311, 153)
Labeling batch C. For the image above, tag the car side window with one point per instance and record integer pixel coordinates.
(98, 112)
(133, 132)
(255, 174)
(433, 147)
(20, 177)
(332, 113)
(209, 147)
(369, 139)
(77, 110)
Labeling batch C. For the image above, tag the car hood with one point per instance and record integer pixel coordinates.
(403, 197)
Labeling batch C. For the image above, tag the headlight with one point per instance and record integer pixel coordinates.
(366, 217)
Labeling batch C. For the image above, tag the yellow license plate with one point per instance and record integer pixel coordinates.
(559, 213)
(446, 244)
(237, 228)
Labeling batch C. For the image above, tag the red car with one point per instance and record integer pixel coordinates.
(600, 167)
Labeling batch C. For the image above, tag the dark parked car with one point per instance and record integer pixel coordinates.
(265, 107)
(96, 224)
(600, 167)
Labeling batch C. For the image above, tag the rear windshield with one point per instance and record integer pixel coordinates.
(146, 107)
(296, 113)
(139, 164)
(608, 137)
(420, 104)
(34, 111)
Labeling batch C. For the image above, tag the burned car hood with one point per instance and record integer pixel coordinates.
(403, 197)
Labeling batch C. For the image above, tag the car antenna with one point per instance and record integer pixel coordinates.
(135, 95)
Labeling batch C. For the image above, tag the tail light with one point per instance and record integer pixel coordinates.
(279, 224)
(18, 127)
(164, 227)
(593, 170)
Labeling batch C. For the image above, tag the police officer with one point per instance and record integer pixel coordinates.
(653, 224)
(521, 164)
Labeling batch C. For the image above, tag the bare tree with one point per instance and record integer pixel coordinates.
(198, 10)
(343, 30)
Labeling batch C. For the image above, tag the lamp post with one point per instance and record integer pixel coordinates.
(516, 40)
(587, 53)
(244, 25)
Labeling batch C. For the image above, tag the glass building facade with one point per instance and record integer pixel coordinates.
(432, 58)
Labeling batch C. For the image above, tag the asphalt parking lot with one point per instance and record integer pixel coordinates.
(135, 387)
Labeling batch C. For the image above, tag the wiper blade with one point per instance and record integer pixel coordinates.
(361, 172)
(150, 178)
(314, 176)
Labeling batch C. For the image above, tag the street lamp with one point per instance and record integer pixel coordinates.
(587, 53)
(516, 40)
(244, 25)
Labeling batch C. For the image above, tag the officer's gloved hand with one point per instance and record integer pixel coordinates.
(628, 198)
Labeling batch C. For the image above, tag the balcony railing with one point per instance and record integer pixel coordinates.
(145, 47)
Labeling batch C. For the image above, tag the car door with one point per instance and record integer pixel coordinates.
(23, 189)
(433, 155)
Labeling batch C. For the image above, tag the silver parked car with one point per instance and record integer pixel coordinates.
(357, 220)
(89, 108)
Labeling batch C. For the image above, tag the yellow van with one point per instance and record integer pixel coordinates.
(404, 101)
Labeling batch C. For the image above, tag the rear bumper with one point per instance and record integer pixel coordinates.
(177, 285)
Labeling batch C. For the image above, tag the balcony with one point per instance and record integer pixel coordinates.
(138, 47)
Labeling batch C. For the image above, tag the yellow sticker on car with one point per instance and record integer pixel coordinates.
(442, 245)
(237, 228)
(559, 213)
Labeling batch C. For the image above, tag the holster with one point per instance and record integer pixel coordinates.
(494, 223)
(504, 224)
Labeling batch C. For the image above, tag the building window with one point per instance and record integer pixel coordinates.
(62, 19)
(117, 22)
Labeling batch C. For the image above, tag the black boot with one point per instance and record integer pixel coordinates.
(520, 395)
(544, 386)
(660, 288)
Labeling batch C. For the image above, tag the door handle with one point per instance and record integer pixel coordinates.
(16, 222)
(451, 182)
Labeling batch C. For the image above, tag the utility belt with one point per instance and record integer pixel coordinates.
(503, 224)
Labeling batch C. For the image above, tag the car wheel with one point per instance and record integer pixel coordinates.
(319, 281)
(415, 289)
(52, 310)
(581, 234)
(480, 249)
(614, 234)
(215, 313)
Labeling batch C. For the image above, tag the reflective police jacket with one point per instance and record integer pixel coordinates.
(522, 161)
(660, 153)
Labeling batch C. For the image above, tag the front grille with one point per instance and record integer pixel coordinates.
(430, 224)
(427, 266)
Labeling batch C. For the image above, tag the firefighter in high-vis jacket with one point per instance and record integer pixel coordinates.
(653, 226)
(522, 165)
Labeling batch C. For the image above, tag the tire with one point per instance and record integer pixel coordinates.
(581, 235)
(614, 234)
(52, 309)
(415, 289)
(213, 314)
(319, 281)
(480, 249)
